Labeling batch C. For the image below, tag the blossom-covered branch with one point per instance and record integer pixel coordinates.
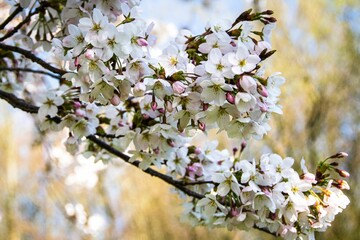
(146, 110)
(26, 107)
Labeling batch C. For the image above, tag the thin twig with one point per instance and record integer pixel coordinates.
(33, 58)
(29, 70)
(25, 21)
(11, 17)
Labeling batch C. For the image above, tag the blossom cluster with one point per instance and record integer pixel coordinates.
(115, 89)
(270, 194)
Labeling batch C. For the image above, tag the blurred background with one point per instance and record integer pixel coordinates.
(48, 194)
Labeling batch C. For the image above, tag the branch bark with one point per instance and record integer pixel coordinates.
(11, 17)
(29, 70)
(33, 58)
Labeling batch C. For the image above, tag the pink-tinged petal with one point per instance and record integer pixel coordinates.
(97, 15)
(215, 56)
(74, 30)
(232, 58)
(242, 52)
(223, 189)
(69, 42)
(85, 23)
(218, 177)
(254, 59)
(235, 188)
(210, 67)
(237, 69)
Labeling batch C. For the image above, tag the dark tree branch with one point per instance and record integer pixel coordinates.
(18, 103)
(29, 70)
(11, 17)
(152, 172)
(33, 58)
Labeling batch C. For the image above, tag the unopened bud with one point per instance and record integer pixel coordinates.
(169, 106)
(342, 173)
(267, 12)
(197, 151)
(145, 116)
(76, 62)
(235, 150)
(171, 142)
(178, 87)
(156, 150)
(339, 155)
(334, 164)
(263, 108)
(234, 212)
(243, 145)
(262, 91)
(90, 54)
(154, 106)
(202, 126)
(161, 110)
(270, 19)
(230, 98)
(341, 184)
(205, 106)
(80, 113)
(115, 100)
(142, 42)
(77, 104)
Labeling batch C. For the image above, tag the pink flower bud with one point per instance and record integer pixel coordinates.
(154, 105)
(205, 106)
(197, 151)
(309, 177)
(115, 100)
(77, 104)
(90, 54)
(145, 116)
(234, 212)
(202, 126)
(341, 184)
(178, 87)
(169, 106)
(156, 150)
(263, 108)
(243, 144)
(342, 173)
(171, 143)
(76, 62)
(80, 113)
(161, 110)
(262, 91)
(235, 150)
(142, 42)
(230, 98)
